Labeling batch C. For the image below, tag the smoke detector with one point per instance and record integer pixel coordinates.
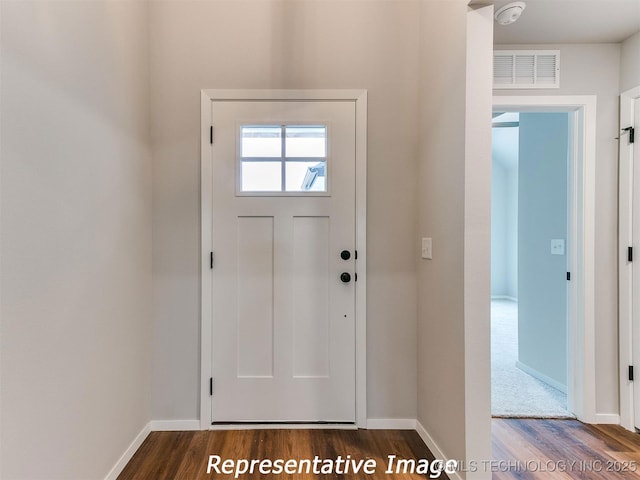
(510, 13)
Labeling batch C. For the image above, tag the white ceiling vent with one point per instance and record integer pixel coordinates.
(526, 69)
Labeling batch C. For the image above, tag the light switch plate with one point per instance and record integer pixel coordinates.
(557, 246)
(427, 247)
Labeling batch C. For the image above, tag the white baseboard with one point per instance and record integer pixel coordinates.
(174, 425)
(608, 418)
(126, 456)
(434, 448)
(504, 297)
(542, 377)
(391, 423)
(285, 426)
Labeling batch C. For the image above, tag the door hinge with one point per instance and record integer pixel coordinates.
(210, 259)
(632, 133)
(630, 254)
(631, 373)
(211, 386)
(568, 275)
(211, 134)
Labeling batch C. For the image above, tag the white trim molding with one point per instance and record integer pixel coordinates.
(581, 393)
(504, 297)
(434, 448)
(129, 452)
(541, 376)
(283, 426)
(359, 97)
(625, 268)
(607, 419)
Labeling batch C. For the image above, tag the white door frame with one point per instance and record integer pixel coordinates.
(359, 97)
(625, 272)
(581, 393)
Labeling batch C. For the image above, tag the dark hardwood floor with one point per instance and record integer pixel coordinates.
(522, 448)
(563, 449)
(185, 455)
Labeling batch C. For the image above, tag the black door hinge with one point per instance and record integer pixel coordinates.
(568, 275)
(211, 386)
(632, 133)
(631, 373)
(211, 134)
(630, 254)
(211, 260)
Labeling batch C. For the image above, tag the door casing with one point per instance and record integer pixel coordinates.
(625, 270)
(359, 97)
(581, 394)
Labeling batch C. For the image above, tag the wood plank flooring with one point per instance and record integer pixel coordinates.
(185, 455)
(563, 449)
(522, 448)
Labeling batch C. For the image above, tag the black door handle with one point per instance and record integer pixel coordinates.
(345, 254)
(345, 277)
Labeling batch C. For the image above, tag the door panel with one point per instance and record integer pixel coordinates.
(635, 266)
(310, 297)
(283, 321)
(255, 296)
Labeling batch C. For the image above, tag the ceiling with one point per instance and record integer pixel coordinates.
(571, 21)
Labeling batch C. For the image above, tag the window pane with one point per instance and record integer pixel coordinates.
(261, 177)
(261, 141)
(306, 141)
(306, 176)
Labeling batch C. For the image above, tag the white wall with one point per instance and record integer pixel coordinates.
(630, 63)
(76, 232)
(76, 208)
(477, 237)
(303, 44)
(454, 209)
(542, 211)
(441, 209)
(594, 70)
(504, 212)
(388, 48)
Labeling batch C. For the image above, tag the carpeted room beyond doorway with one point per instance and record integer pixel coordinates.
(515, 393)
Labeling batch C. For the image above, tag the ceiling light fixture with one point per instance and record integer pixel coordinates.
(510, 12)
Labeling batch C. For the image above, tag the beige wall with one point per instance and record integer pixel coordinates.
(411, 56)
(77, 219)
(630, 63)
(76, 232)
(454, 209)
(594, 70)
(441, 401)
(292, 44)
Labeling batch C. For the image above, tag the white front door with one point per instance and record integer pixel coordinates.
(284, 261)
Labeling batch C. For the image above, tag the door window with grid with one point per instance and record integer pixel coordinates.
(282, 159)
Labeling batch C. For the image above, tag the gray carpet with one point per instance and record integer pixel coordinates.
(515, 393)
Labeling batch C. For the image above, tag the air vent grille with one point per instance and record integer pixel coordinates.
(526, 69)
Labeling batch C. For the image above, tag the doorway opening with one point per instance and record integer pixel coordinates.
(577, 263)
(529, 267)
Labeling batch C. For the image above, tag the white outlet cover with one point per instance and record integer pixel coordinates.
(557, 246)
(427, 248)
